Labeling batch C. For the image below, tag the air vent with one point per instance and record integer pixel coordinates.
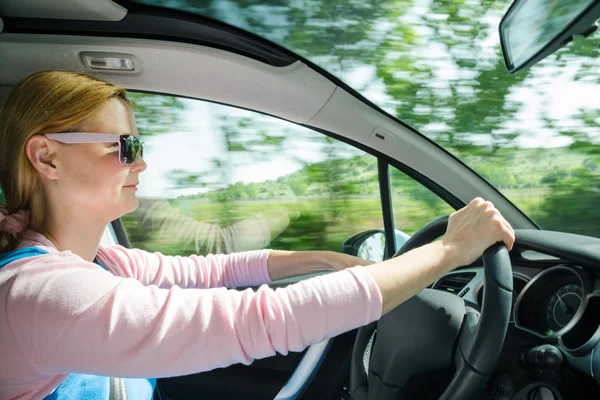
(454, 283)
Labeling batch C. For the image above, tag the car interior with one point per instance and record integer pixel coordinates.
(524, 325)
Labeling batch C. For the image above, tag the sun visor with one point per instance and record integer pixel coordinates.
(96, 10)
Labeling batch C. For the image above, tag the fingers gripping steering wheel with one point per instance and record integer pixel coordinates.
(435, 330)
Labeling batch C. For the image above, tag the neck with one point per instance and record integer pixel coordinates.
(81, 236)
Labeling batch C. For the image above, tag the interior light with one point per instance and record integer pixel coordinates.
(109, 63)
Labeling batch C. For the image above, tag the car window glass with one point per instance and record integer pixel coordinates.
(414, 205)
(438, 66)
(221, 180)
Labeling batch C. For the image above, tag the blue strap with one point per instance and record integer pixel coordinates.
(98, 262)
(94, 387)
(11, 256)
(83, 386)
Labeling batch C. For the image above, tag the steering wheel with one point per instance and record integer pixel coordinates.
(435, 334)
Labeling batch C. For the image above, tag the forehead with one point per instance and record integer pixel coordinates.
(114, 117)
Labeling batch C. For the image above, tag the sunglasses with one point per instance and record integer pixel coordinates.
(130, 147)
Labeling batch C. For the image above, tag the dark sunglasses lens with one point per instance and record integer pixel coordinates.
(131, 149)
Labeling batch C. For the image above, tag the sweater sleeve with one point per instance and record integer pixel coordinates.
(232, 270)
(69, 316)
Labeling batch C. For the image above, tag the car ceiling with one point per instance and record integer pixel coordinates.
(297, 92)
(97, 10)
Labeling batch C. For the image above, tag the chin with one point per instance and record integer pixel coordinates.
(127, 206)
(134, 206)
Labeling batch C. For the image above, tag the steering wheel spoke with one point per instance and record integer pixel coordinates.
(468, 332)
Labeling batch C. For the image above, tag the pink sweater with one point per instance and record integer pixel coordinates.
(159, 316)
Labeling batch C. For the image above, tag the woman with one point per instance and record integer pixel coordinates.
(69, 164)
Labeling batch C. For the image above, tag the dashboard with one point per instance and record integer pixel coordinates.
(556, 293)
(553, 304)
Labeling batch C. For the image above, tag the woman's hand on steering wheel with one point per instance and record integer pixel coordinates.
(473, 229)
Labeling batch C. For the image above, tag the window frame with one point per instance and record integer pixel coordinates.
(387, 208)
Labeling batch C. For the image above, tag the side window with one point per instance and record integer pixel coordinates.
(414, 205)
(221, 180)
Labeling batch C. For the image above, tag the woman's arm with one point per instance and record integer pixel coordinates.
(192, 272)
(470, 232)
(285, 264)
(251, 268)
(68, 316)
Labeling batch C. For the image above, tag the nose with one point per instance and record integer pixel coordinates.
(139, 166)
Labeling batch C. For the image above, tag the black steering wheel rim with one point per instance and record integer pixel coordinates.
(478, 345)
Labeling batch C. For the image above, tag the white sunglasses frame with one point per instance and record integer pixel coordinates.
(90, 137)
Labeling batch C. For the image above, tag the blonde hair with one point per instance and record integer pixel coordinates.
(51, 101)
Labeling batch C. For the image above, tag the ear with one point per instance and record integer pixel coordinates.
(42, 155)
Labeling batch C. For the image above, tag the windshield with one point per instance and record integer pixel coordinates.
(437, 65)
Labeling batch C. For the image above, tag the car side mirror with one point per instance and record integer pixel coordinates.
(372, 248)
(371, 245)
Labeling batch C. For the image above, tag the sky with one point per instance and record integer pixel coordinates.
(195, 149)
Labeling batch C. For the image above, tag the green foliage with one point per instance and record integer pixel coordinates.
(156, 114)
(501, 175)
(554, 177)
(572, 203)
(300, 188)
(309, 231)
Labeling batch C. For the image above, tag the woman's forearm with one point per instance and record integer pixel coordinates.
(402, 277)
(471, 230)
(398, 279)
(285, 264)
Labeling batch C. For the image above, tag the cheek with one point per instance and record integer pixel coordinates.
(93, 177)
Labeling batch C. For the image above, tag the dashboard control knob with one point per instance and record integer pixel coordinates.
(544, 356)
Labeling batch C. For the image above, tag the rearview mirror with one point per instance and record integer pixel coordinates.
(531, 30)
